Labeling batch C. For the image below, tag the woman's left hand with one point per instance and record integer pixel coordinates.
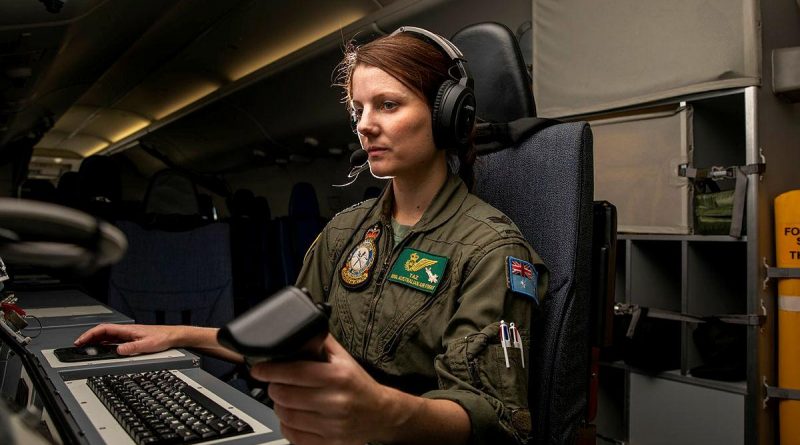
(332, 402)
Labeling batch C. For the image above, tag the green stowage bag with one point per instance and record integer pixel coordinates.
(712, 212)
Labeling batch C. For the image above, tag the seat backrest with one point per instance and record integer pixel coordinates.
(100, 187)
(170, 277)
(252, 249)
(544, 183)
(67, 189)
(178, 266)
(298, 230)
(174, 277)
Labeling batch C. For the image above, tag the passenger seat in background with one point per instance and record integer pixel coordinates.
(38, 190)
(252, 249)
(178, 266)
(298, 230)
(99, 192)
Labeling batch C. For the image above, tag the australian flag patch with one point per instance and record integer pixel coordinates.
(521, 277)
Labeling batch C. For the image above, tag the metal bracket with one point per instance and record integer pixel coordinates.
(778, 272)
(774, 392)
(720, 172)
(744, 319)
(636, 311)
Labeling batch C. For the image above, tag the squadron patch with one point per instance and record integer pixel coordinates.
(521, 277)
(356, 270)
(418, 270)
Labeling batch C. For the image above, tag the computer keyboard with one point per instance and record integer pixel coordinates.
(160, 408)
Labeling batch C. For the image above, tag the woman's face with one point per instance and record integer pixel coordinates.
(393, 124)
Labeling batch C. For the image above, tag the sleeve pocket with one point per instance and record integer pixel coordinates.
(486, 365)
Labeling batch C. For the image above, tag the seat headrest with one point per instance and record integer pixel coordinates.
(261, 208)
(98, 180)
(207, 210)
(67, 189)
(171, 193)
(241, 203)
(303, 201)
(503, 87)
(38, 190)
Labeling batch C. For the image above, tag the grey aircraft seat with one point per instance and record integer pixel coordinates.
(544, 183)
(178, 267)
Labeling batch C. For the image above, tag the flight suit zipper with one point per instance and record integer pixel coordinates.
(380, 281)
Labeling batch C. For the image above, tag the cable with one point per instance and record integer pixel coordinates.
(40, 327)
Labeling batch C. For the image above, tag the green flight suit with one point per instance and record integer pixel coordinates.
(445, 345)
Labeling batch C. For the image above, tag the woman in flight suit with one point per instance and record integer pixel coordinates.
(419, 280)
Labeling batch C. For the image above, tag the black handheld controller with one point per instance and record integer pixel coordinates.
(287, 325)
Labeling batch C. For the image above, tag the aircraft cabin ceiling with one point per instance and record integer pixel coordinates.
(214, 86)
(99, 71)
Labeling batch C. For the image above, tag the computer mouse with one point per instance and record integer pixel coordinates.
(90, 350)
(87, 353)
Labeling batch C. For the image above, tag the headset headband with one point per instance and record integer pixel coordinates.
(446, 46)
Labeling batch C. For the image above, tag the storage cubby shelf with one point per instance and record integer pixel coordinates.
(690, 238)
(676, 376)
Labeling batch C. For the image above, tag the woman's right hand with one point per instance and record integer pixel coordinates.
(132, 338)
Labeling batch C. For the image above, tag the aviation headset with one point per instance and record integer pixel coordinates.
(453, 112)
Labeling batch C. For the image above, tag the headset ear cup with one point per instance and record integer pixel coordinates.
(438, 116)
(453, 115)
(464, 117)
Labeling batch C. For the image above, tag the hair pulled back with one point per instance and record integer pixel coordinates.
(420, 66)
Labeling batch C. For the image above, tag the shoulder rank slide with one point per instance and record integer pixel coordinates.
(356, 270)
(521, 277)
(418, 270)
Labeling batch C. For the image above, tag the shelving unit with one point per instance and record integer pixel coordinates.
(695, 274)
(693, 88)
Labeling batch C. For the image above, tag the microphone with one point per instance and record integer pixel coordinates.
(358, 160)
(359, 157)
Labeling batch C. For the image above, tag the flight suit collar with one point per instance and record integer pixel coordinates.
(443, 207)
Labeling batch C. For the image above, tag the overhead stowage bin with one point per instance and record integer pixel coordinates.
(591, 56)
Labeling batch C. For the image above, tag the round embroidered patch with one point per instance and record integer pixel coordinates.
(356, 270)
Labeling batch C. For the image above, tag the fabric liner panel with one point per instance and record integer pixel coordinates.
(636, 169)
(603, 55)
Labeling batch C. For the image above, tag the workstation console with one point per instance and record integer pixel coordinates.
(91, 395)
